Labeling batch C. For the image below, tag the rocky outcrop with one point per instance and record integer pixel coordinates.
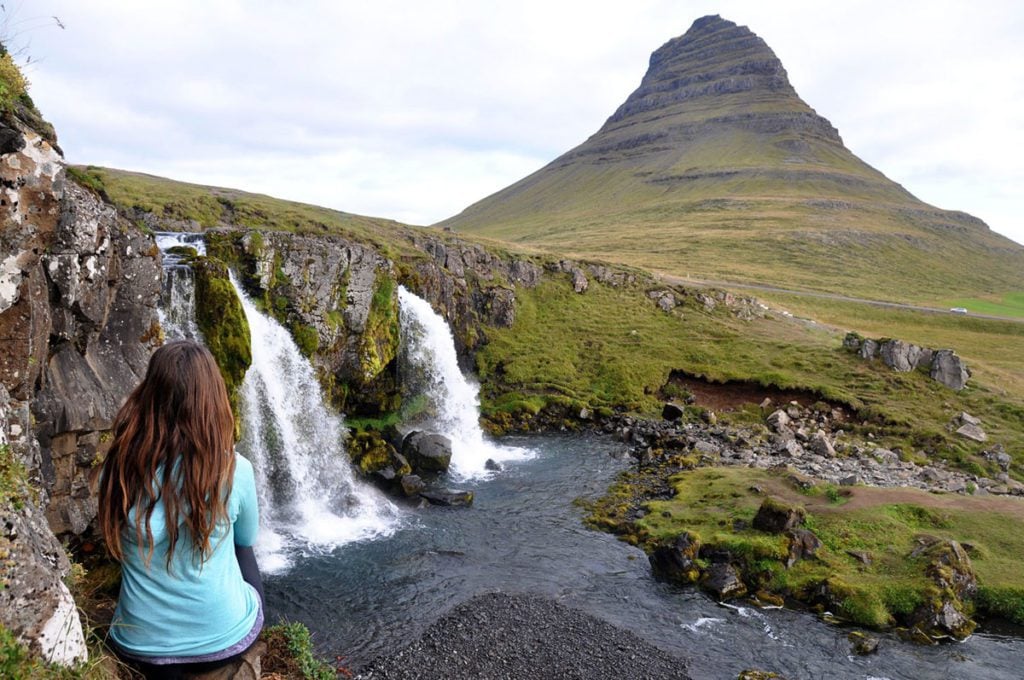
(35, 605)
(78, 295)
(942, 365)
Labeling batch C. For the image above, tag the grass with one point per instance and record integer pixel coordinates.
(1010, 304)
(290, 654)
(685, 190)
(991, 348)
(206, 207)
(885, 524)
(612, 348)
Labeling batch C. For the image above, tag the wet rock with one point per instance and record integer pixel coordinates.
(775, 517)
(862, 643)
(448, 497)
(492, 465)
(671, 412)
(412, 485)
(754, 674)
(722, 580)
(678, 561)
(427, 452)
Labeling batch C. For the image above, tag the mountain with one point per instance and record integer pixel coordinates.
(715, 168)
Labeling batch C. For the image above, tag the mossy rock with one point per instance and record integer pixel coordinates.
(379, 345)
(222, 322)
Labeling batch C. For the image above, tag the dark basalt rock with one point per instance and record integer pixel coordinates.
(671, 412)
(448, 497)
(803, 544)
(427, 452)
(723, 581)
(776, 517)
(678, 561)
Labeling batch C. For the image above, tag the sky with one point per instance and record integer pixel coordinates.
(413, 110)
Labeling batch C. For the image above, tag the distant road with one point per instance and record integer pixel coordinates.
(832, 296)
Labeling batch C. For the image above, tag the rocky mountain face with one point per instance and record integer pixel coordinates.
(78, 295)
(716, 168)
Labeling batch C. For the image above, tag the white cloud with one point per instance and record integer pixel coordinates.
(414, 110)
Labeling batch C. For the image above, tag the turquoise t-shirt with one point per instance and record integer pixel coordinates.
(192, 609)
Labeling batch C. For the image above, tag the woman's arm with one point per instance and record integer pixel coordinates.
(247, 524)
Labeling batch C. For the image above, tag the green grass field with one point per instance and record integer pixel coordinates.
(1010, 304)
(883, 523)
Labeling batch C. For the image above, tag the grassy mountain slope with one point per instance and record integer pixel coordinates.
(715, 168)
(612, 347)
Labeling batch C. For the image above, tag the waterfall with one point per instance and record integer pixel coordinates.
(178, 290)
(429, 351)
(309, 498)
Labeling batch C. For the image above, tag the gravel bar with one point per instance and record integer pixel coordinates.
(499, 636)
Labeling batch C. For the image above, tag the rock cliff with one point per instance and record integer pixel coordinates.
(78, 319)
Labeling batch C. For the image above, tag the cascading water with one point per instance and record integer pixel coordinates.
(429, 349)
(178, 291)
(309, 498)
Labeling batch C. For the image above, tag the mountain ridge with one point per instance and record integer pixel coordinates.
(715, 166)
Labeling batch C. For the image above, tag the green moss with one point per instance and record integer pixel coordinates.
(306, 338)
(290, 653)
(222, 322)
(379, 345)
(1001, 601)
(88, 178)
(717, 505)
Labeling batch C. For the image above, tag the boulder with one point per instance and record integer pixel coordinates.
(671, 412)
(943, 615)
(427, 452)
(972, 432)
(949, 369)
(448, 497)
(899, 355)
(412, 485)
(492, 465)
(723, 581)
(853, 341)
(678, 561)
(776, 517)
(821, 445)
(868, 349)
(862, 643)
(778, 420)
(803, 544)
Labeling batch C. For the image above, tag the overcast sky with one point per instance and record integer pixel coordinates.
(413, 110)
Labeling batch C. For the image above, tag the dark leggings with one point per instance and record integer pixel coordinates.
(174, 671)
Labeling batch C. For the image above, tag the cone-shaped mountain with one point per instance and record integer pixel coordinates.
(715, 168)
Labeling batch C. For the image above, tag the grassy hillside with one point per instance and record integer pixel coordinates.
(716, 169)
(612, 347)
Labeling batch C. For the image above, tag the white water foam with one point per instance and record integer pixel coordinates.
(309, 498)
(177, 309)
(429, 346)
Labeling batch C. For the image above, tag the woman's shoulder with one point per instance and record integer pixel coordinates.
(243, 468)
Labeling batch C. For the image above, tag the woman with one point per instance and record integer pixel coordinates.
(177, 508)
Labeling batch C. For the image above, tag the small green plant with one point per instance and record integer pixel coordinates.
(12, 478)
(290, 651)
(13, 84)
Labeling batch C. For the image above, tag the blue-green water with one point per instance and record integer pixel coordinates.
(524, 534)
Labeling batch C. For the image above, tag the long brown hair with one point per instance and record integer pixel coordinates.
(173, 442)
